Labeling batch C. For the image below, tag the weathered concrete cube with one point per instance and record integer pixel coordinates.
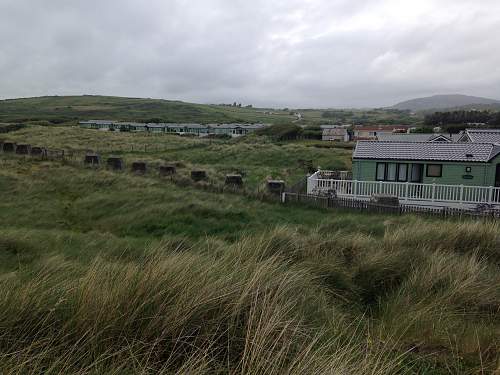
(234, 180)
(275, 186)
(92, 159)
(167, 170)
(9, 147)
(139, 167)
(115, 163)
(198, 175)
(23, 149)
(38, 151)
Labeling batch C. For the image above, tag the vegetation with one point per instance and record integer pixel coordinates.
(256, 157)
(378, 116)
(69, 109)
(6, 128)
(62, 110)
(106, 272)
(463, 118)
(282, 131)
(114, 273)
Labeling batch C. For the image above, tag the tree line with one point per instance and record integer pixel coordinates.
(463, 117)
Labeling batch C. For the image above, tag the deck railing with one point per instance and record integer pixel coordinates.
(406, 191)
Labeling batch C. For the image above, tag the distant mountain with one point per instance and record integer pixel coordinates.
(439, 102)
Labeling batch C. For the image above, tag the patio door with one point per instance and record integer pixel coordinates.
(417, 173)
(497, 176)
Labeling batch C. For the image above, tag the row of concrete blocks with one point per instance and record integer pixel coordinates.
(140, 167)
(22, 149)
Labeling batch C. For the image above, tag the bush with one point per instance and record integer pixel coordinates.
(281, 131)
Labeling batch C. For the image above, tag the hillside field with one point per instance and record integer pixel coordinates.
(112, 273)
(70, 109)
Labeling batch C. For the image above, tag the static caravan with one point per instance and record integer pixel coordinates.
(471, 164)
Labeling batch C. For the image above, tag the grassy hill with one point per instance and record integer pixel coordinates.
(106, 273)
(441, 102)
(68, 109)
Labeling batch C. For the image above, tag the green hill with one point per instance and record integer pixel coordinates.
(437, 102)
(67, 109)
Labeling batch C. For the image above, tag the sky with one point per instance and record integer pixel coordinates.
(280, 53)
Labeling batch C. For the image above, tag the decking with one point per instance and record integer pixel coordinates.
(460, 196)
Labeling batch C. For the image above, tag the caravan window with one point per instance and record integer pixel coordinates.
(392, 172)
(434, 170)
(403, 172)
(380, 172)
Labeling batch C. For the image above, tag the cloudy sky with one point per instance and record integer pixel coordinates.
(297, 53)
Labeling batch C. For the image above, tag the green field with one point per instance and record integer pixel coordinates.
(112, 273)
(70, 109)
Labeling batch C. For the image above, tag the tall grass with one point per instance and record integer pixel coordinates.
(177, 312)
(110, 273)
(279, 302)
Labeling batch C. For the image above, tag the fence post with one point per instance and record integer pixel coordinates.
(380, 187)
(490, 194)
(433, 197)
(355, 189)
(461, 194)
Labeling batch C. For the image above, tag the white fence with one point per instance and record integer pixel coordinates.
(430, 194)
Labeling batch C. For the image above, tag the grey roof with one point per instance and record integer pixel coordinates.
(495, 151)
(415, 137)
(334, 126)
(175, 125)
(484, 135)
(470, 152)
(98, 122)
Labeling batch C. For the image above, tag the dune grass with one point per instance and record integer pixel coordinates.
(112, 273)
(255, 157)
(278, 302)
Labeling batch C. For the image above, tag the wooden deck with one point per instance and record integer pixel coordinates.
(435, 195)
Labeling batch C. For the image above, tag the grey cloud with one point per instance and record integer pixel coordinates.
(301, 53)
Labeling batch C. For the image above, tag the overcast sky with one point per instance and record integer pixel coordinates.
(297, 53)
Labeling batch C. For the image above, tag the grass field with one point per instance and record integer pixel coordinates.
(255, 157)
(70, 109)
(111, 273)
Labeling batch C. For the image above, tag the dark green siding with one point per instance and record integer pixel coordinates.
(483, 174)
